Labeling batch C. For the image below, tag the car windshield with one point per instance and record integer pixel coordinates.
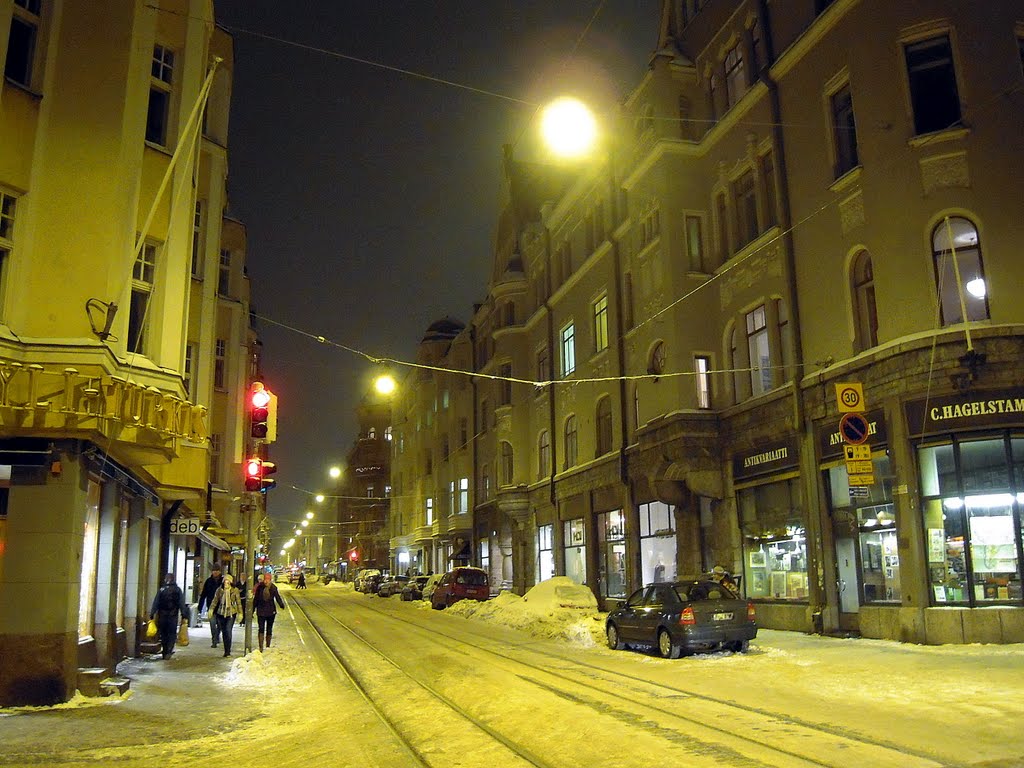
(472, 578)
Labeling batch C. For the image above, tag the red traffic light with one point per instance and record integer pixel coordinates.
(353, 555)
(253, 469)
(262, 413)
(260, 397)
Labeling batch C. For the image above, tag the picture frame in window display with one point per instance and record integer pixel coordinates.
(778, 584)
(758, 584)
(796, 585)
(758, 559)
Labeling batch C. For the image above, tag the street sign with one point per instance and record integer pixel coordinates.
(857, 452)
(859, 491)
(185, 526)
(862, 480)
(859, 467)
(850, 397)
(854, 428)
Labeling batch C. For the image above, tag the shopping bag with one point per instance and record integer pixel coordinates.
(151, 629)
(183, 633)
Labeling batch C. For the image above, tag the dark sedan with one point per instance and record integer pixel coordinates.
(683, 617)
(413, 590)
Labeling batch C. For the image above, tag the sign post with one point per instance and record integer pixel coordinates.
(855, 429)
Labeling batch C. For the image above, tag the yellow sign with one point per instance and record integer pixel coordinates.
(850, 397)
(859, 468)
(857, 452)
(862, 479)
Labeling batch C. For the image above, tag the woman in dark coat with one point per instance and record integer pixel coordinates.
(263, 602)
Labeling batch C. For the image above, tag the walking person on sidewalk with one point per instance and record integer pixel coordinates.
(263, 599)
(210, 587)
(225, 608)
(168, 604)
(243, 595)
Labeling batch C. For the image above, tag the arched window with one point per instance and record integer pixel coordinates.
(959, 274)
(506, 464)
(604, 426)
(544, 454)
(371, 433)
(865, 318)
(571, 444)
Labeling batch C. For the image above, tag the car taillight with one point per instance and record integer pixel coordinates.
(686, 618)
(751, 614)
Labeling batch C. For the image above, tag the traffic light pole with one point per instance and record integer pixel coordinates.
(253, 508)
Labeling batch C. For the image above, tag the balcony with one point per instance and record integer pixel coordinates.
(423, 533)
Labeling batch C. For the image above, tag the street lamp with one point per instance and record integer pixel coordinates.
(384, 385)
(334, 472)
(568, 127)
(319, 498)
(309, 515)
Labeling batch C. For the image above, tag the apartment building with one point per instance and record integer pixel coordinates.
(124, 339)
(795, 197)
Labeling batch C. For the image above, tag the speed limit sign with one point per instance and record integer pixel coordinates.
(850, 397)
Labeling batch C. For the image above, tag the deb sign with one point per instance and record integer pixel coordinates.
(185, 526)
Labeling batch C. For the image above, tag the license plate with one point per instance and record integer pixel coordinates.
(722, 616)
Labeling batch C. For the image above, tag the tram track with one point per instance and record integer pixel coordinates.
(816, 744)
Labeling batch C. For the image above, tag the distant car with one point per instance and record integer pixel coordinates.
(372, 583)
(463, 583)
(683, 617)
(363, 576)
(392, 586)
(428, 588)
(413, 589)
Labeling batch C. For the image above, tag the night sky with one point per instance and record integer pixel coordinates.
(370, 195)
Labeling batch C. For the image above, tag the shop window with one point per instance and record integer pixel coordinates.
(604, 426)
(774, 541)
(865, 316)
(576, 551)
(959, 272)
(90, 557)
(970, 499)
(868, 522)
(611, 554)
(545, 552)
(932, 80)
(657, 542)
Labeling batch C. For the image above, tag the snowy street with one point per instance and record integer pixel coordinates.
(525, 682)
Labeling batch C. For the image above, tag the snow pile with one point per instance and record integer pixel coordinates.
(272, 670)
(344, 586)
(558, 608)
(78, 701)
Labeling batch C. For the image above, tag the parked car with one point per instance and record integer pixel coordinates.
(392, 585)
(413, 589)
(428, 589)
(682, 617)
(372, 583)
(463, 583)
(363, 576)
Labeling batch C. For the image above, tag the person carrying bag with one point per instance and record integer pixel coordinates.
(168, 605)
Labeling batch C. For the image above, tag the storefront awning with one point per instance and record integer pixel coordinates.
(214, 541)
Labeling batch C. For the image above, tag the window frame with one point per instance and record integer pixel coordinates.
(843, 129)
(161, 82)
(600, 314)
(702, 381)
(570, 435)
(567, 338)
(603, 426)
(961, 290)
(143, 292)
(31, 19)
(920, 94)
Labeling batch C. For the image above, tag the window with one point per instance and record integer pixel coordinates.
(388, 434)
(445, 448)
(604, 426)
(505, 384)
(774, 541)
(745, 203)
(544, 454)
(224, 277)
(571, 445)
(22, 42)
(575, 545)
(485, 479)
(627, 299)
(702, 368)
(191, 352)
(485, 414)
(428, 511)
(959, 274)
(735, 76)
(568, 350)
(713, 89)
(695, 244)
(650, 226)
(160, 85)
(844, 131)
(216, 443)
(197, 241)
(611, 554)
(371, 433)
(758, 349)
(7, 207)
(933, 91)
(722, 220)
(387, 490)
(463, 432)
(485, 554)
(143, 275)
(507, 466)
(463, 494)
(971, 495)
(429, 462)
(601, 324)
(768, 190)
(445, 400)
(220, 364)
(545, 552)
(90, 559)
(451, 498)
(543, 367)
(657, 542)
(865, 319)
(656, 363)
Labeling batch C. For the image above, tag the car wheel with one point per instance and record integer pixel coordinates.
(738, 646)
(614, 641)
(667, 647)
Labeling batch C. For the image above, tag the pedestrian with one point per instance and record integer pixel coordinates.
(302, 580)
(243, 597)
(263, 599)
(225, 608)
(210, 587)
(168, 604)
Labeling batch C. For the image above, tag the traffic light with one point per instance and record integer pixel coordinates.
(259, 411)
(268, 468)
(253, 470)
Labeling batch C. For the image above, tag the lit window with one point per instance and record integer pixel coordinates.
(702, 368)
(568, 350)
(959, 271)
(463, 494)
(757, 346)
(601, 324)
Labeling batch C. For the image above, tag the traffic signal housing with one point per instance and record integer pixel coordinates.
(253, 471)
(262, 413)
(268, 468)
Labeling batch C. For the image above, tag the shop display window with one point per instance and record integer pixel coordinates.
(611, 553)
(972, 505)
(774, 541)
(576, 551)
(545, 552)
(657, 542)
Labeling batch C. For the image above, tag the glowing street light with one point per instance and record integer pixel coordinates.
(309, 515)
(305, 523)
(568, 127)
(384, 385)
(334, 472)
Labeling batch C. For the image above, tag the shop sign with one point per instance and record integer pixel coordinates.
(767, 458)
(832, 445)
(185, 526)
(966, 410)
